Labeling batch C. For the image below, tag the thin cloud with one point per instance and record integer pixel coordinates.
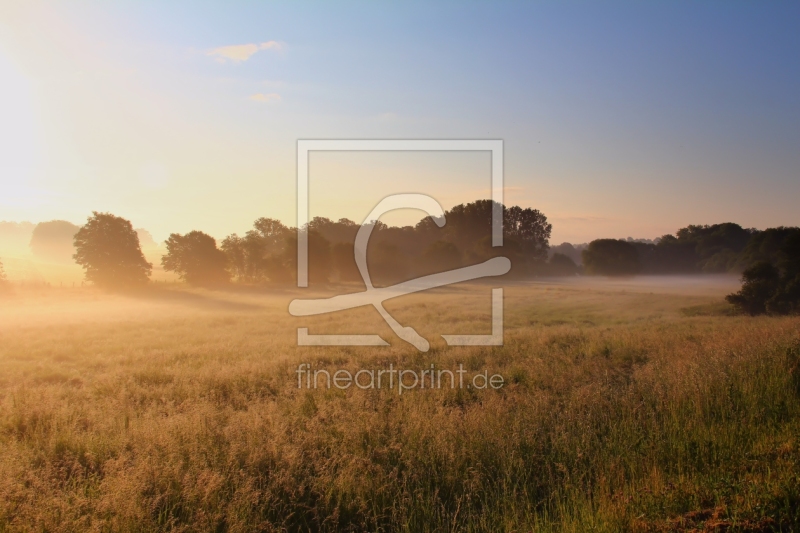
(267, 98)
(238, 53)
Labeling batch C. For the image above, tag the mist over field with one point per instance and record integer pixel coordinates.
(628, 405)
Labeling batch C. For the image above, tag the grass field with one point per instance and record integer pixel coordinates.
(630, 405)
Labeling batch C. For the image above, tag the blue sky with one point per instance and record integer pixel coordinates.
(619, 118)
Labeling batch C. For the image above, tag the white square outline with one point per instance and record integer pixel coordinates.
(304, 146)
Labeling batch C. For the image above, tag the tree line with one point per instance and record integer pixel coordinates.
(769, 261)
(108, 249)
(695, 249)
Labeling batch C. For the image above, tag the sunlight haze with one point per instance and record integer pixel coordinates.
(181, 116)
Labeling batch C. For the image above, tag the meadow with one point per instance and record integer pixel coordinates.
(629, 405)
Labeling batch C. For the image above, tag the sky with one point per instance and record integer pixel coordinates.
(618, 118)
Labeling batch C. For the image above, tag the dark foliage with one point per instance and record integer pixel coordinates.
(107, 247)
(766, 245)
(562, 265)
(284, 268)
(269, 252)
(569, 250)
(769, 288)
(710, 249)
(611, 257)
(439, 256)
(716, 247)
(344, 262)
(759, 283)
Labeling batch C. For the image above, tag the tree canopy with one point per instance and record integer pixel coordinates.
(196, 259)
(54, 240)
(259, 255)
(772, 287)
(269, 250)
(562, 265)
(107, 247)
(709, 249)
(611, 257)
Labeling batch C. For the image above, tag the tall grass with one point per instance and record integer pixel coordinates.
(651, 421)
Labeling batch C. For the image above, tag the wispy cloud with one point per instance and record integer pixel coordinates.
(268, 98)
(238, 53)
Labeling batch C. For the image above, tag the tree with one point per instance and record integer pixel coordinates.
(265, 245)
(271, 234)
(269, 250)
(468, 224)
(717, 246)
(611, 257)
(568, 250)
(258, 255)
(53, 241)
(673, 256)
(759, 284)
(107, 247)
(344, 262)
(284, 267)
(511, 249)
(146, 239)
(196, 259)
(698, 248)
(3, 280)
(766, 245)
(562, 265)
(767, 288)
(234, 248)
(440, 256)
(530, 229)
(344, 230)
(387, 264)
